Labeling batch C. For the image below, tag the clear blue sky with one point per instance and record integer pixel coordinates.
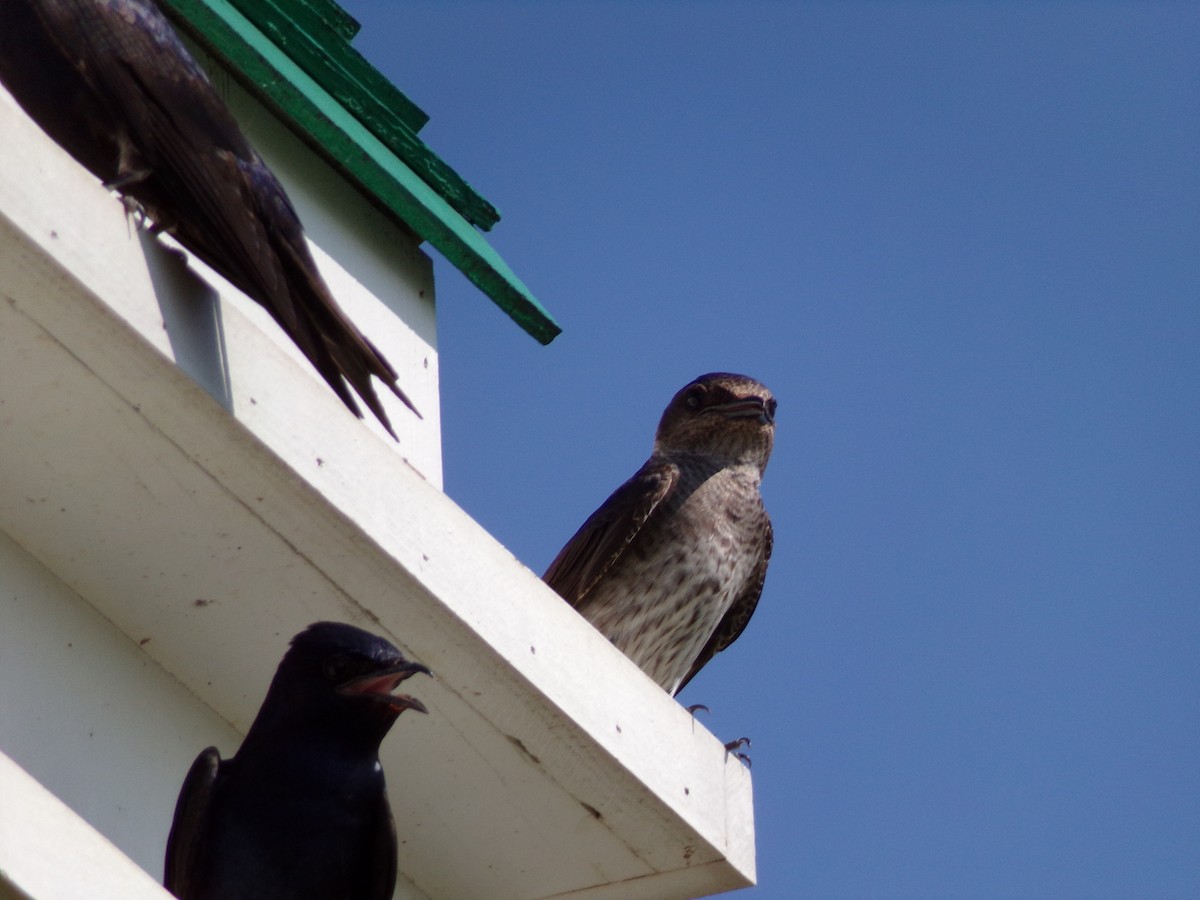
(961, 243)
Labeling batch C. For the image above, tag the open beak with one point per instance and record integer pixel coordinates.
(379, 686)
(746, 408)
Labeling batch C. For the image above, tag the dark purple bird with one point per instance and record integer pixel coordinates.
(671, 566)
(300, 812)
(112, 83)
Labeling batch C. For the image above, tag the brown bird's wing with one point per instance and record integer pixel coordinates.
(733, 623)
(187, 841)
(42, 74)
(185, 161)
(602, 539)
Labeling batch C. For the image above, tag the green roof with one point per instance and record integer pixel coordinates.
(295, 56)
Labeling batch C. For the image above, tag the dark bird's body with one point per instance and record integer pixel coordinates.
(112, 83)
(671, 566)
(300, 812)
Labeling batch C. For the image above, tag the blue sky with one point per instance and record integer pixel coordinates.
(961, 243)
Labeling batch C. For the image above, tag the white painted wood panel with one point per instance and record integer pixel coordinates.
(201, 527)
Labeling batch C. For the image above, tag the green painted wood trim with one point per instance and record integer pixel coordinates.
(333, 17)
(317, 35)
(302, 29)
(325, 123)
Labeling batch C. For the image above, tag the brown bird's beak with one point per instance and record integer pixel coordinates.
(746, 408)
(379, 686)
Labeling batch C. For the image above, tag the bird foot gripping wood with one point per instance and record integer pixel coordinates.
(734, 748)
(136, 213)
(127, 179)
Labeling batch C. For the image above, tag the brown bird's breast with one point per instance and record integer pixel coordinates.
(664, 597)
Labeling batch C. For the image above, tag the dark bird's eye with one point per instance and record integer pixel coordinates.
(694, 397)
(336, 667)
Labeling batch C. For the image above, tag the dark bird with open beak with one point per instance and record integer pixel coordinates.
(111, 82)
(300, 812)
(671, 566)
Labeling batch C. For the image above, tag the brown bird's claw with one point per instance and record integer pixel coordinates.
(734, 748)
(695, 706)
(126, 178)
(136, 213)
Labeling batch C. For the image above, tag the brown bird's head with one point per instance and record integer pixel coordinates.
(720, 414)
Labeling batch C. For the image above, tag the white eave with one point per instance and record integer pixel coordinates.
(48, 852)
(210, 532)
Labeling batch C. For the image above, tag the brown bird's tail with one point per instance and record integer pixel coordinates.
(333, 344)
(115, 86)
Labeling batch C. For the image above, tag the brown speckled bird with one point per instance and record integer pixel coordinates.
(671, 566)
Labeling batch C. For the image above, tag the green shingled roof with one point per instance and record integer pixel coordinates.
(295, 56)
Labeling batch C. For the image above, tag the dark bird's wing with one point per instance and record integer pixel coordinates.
(187, 841)
(379, 875)
(733, 623)
(602, 539)
(140, 112)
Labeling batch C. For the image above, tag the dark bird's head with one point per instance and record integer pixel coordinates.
(720, 414)
(338, 680)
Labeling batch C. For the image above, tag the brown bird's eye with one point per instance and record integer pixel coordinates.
(694, 397)
(336, 667)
